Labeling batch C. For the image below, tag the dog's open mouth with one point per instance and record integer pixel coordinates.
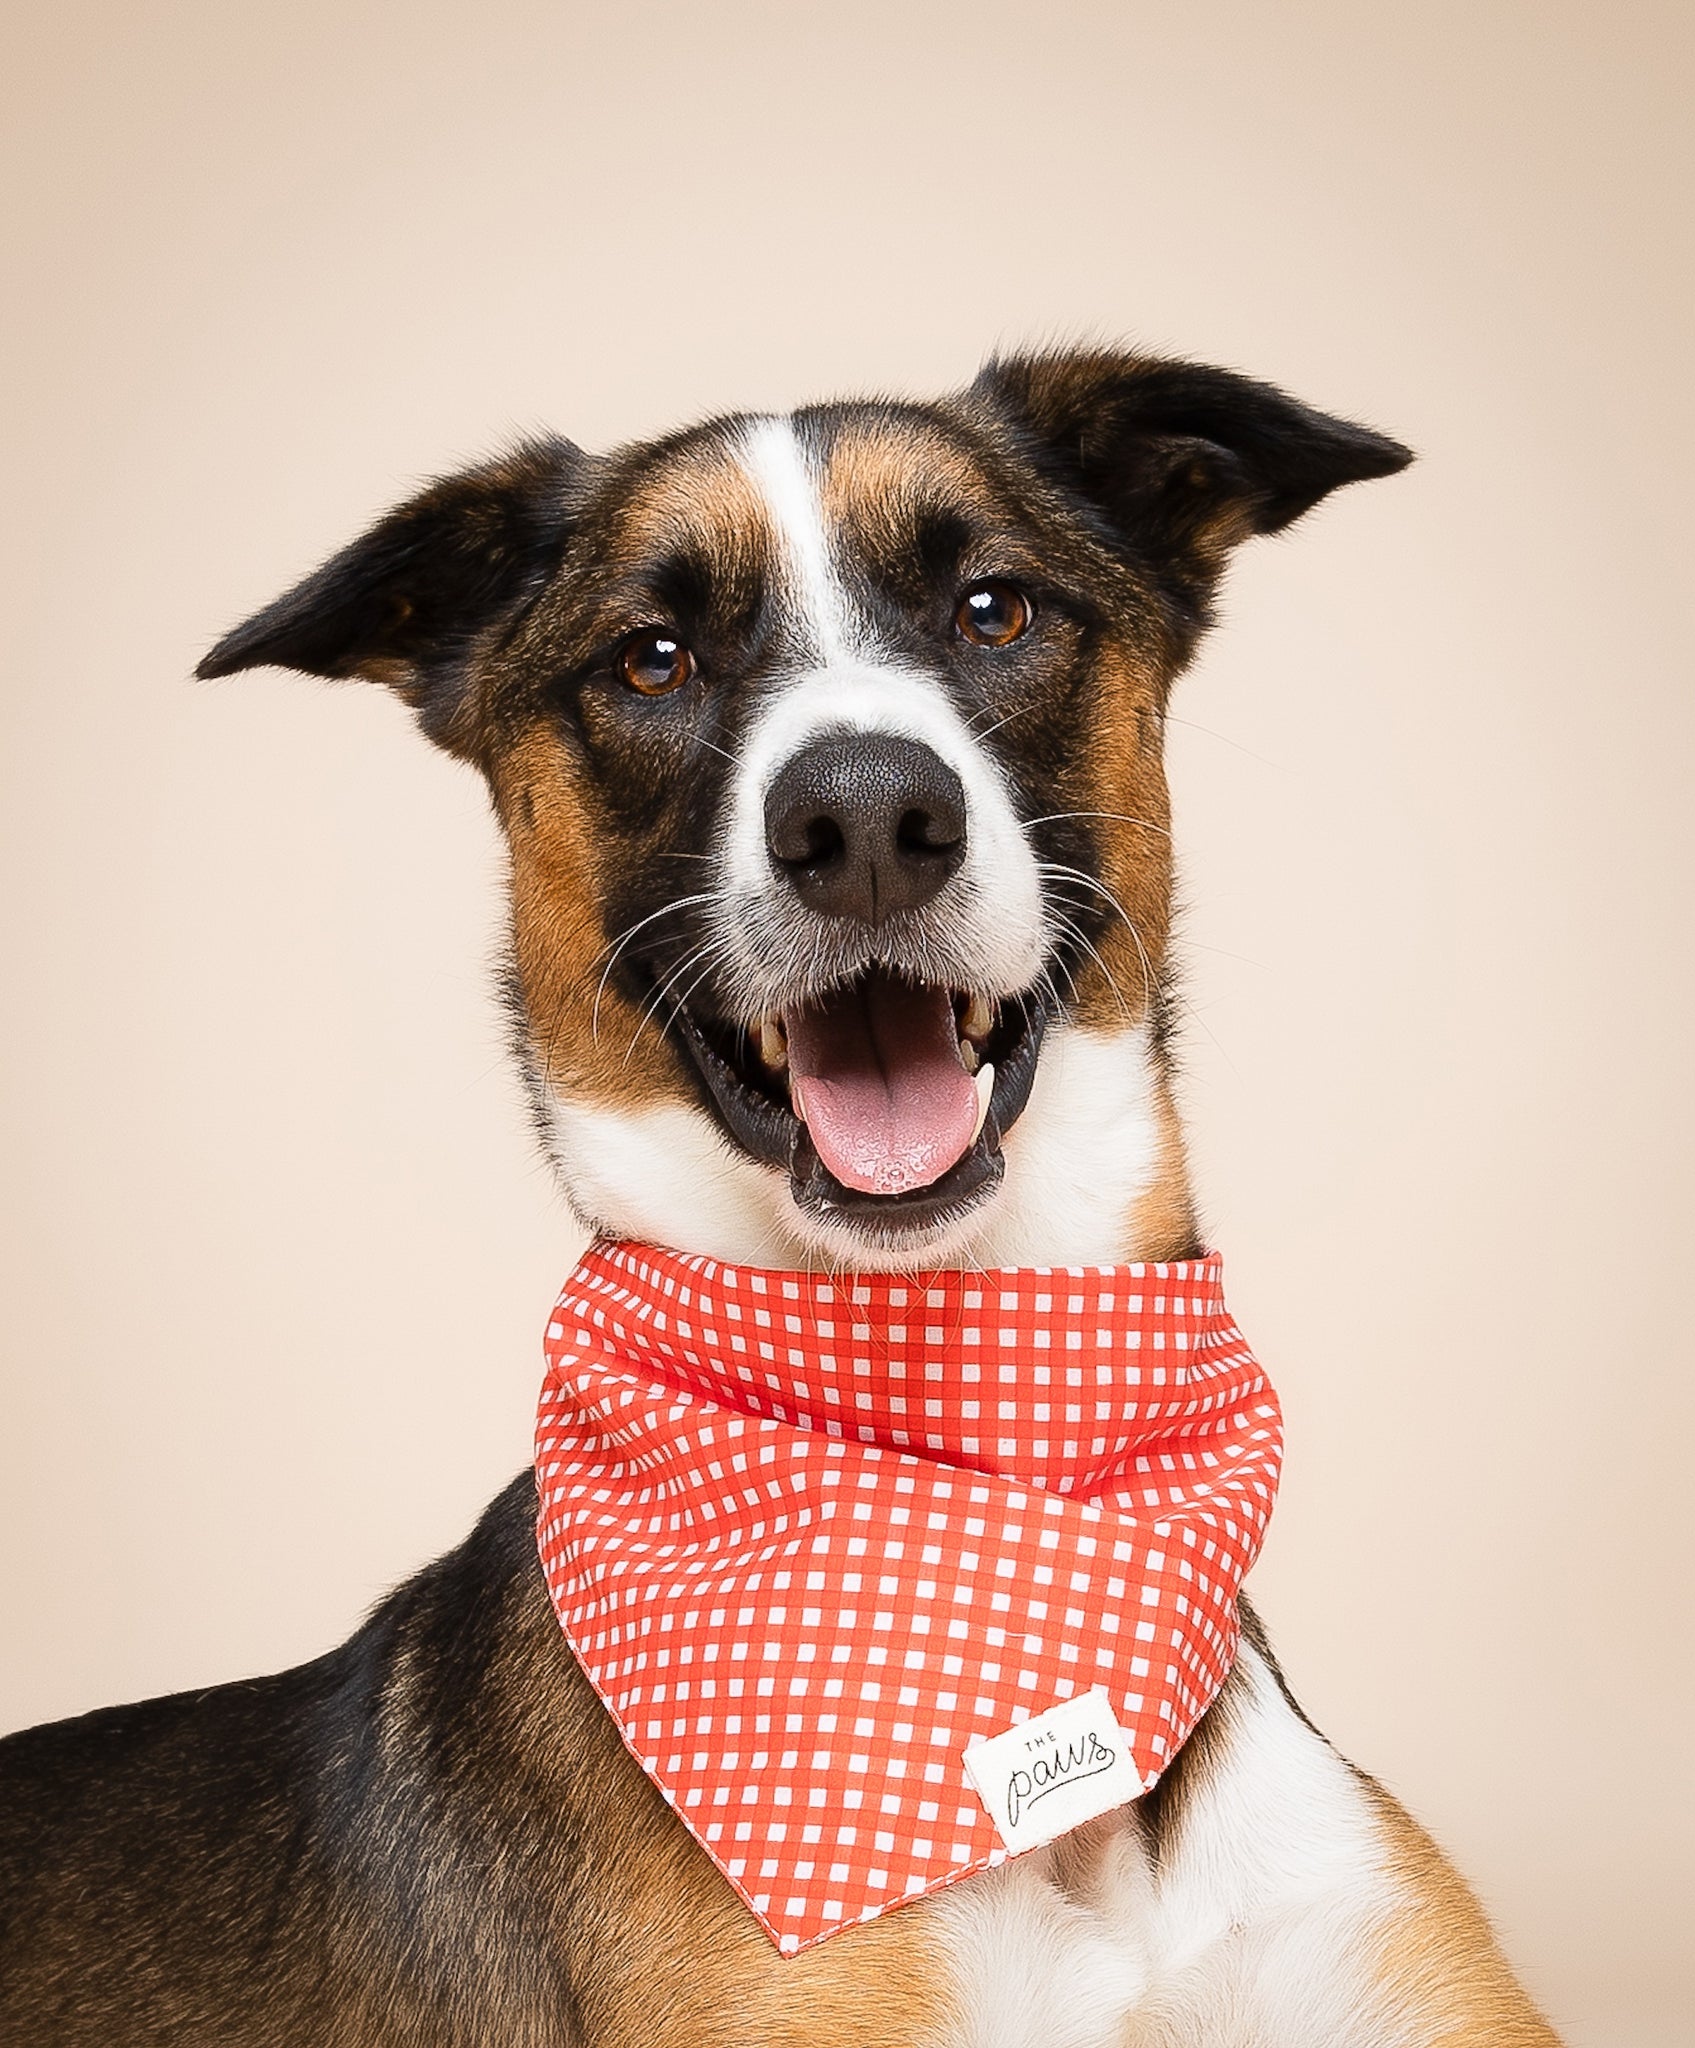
(885, 1099)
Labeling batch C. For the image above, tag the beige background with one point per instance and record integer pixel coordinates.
(276, 1251)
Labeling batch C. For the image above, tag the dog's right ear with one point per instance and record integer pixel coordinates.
(1179, 461)
(408, 602)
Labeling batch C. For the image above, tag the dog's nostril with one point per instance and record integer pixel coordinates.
(821, 841)
(922, 832)
(863, 824)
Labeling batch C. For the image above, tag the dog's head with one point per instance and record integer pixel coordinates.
(828, 750)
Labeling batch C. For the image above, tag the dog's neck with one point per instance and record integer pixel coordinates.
(1095, 1173)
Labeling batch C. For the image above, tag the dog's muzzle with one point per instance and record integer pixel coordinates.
(882, 1079)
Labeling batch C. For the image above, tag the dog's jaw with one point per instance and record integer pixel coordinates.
(1094, 1174)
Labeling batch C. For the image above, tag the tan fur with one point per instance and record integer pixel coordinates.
(1132, 826)
(714, 1980)
(879, 479)
(705, 1974)
(1441, 1969)
(700, 496)
(593, 1045)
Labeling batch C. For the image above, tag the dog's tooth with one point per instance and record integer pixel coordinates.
(968, 1055)
(979, 1018)
(985, 1088)
(773, 1044)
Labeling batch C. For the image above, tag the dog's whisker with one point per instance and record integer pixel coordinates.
(661, 994)
(700, 740)
(1091, 882)
(988, 731)
(1224, 740)
(653, 917)
(1075, 931)
(616, 946)
(1116, 817)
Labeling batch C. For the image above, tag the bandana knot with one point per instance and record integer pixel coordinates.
(812, 1538)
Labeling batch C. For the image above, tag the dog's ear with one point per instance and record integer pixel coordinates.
(1181, 461)
(408, 602)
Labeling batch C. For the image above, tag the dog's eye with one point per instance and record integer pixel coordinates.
(654, 662)
(993, 614)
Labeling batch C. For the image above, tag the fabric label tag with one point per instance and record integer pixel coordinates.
(1055, 1771)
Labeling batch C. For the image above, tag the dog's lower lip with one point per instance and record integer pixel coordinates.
(743, 1085)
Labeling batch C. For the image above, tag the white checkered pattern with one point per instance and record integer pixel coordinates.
(810, 1537)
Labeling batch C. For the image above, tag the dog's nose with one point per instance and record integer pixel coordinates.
(864, 824)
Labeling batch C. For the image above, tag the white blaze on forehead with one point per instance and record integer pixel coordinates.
(776, 463)
(990, 919)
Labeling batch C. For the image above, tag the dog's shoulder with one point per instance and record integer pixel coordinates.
(233, 1845)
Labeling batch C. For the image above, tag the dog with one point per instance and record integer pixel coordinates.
(828, 750)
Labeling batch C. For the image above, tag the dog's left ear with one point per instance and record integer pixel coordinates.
(410, 601)
(1181, 461)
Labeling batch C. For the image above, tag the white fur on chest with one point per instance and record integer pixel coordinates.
(1255, 1929)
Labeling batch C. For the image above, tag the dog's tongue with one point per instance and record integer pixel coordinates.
(876, 1073)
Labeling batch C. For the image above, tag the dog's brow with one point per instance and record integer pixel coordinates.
(939, 541)
(902, 487)
(690, 583)
(696, 501)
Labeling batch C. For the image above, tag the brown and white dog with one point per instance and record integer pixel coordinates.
(827, 746)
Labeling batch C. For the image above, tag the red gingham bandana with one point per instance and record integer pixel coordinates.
(810, 1537)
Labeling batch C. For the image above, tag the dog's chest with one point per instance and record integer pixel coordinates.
(1255, 1918)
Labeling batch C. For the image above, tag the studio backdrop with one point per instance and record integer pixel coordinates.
(278, 1249)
